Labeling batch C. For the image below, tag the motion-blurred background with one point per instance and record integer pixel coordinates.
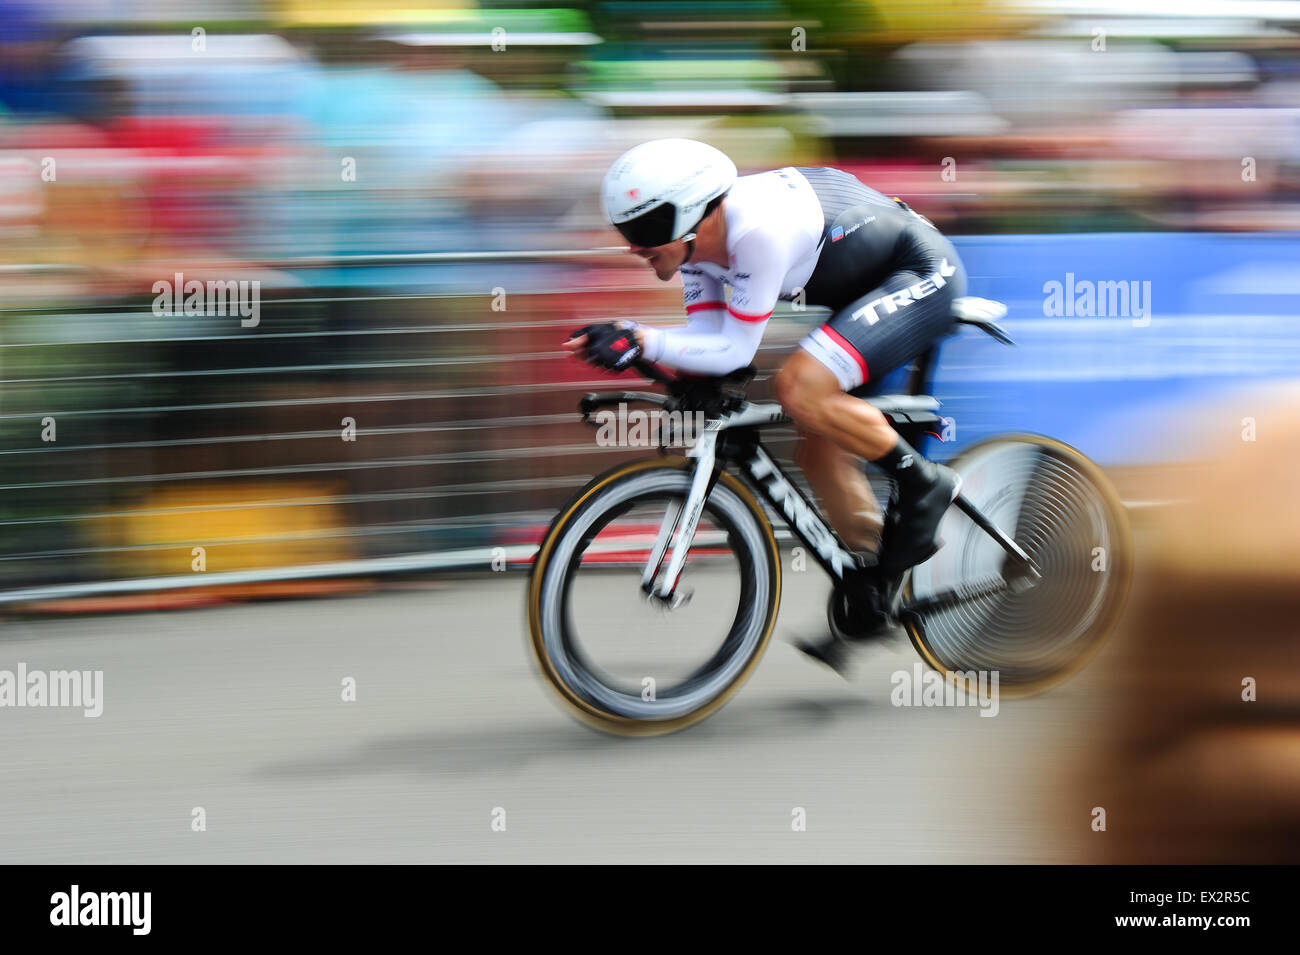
(413, 188)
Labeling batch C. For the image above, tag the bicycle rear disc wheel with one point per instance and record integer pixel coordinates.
(622, 661)
(1063, 511)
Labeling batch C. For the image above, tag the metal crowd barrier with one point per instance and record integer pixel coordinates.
(140, 453)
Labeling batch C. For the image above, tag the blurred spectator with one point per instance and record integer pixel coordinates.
(1201, 761)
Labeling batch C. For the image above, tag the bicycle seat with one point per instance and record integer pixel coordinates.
(983, 313)
(903, 404)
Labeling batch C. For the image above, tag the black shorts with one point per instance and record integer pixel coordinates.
(891, 278)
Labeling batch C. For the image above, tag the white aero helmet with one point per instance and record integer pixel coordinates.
(659, 191)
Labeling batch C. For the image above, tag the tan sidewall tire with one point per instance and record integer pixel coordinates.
(1114, 506)
(583, 710)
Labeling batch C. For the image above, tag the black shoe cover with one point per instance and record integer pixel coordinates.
(912, 524)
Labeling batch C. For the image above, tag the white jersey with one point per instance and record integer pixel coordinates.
(775, 228)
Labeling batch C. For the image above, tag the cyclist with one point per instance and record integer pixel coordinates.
(888, 275)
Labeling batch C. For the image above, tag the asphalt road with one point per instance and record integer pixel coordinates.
(237, 709)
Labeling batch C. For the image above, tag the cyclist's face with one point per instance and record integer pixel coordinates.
(664, 259)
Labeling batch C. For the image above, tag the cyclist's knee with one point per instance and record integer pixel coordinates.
(804, 386)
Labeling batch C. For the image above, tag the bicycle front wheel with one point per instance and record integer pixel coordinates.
(622, 661)
(1062, 510)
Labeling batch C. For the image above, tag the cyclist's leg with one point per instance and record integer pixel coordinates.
(837, 479)
(861, 343)
(812, 395)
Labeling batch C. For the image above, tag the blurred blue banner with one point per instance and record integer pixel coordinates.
(1116, 332)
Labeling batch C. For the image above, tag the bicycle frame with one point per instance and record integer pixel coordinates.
(734, 438)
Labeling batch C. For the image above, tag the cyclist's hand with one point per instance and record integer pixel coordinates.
(606, 346)
(576, 344)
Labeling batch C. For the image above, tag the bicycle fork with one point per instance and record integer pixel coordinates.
(681, 518)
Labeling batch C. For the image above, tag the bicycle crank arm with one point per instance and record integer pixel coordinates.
(961, 594)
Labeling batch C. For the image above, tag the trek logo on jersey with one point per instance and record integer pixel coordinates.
(913, 293)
